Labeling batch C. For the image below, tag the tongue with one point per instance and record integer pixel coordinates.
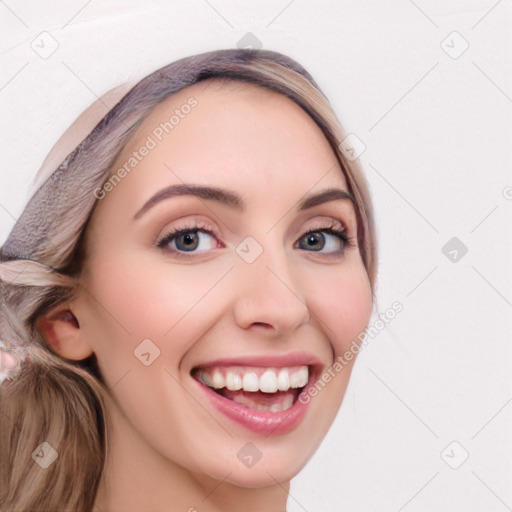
(258, 398)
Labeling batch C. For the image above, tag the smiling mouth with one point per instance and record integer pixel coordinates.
(260, 388)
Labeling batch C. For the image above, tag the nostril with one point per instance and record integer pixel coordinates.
(263, 324)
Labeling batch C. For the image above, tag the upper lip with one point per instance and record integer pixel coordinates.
(267, 361)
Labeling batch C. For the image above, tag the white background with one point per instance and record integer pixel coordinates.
(438, 155)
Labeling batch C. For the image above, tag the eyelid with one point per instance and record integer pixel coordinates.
(337, 230)
(202, 224)
(191, 223)
(327, 223)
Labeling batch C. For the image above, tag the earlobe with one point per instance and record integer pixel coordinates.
(61, 330)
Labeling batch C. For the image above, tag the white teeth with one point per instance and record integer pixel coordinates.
(304, 377)
(283, 380)
(240, 400)
(206, 379)
(299, 379)
(285, 404)
(250, 382)
(268, 382)
(233, 381)
(218, 380)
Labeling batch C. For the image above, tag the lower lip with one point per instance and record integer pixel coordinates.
(262, 422)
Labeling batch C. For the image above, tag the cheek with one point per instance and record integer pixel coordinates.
(342, 300)
(173, 305)
(133, 300)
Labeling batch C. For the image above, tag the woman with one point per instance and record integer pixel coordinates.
(180, 283)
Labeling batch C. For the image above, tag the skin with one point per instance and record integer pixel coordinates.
(168, 448)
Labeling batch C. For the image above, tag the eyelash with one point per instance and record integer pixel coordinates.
(196, 226)
(330, 228)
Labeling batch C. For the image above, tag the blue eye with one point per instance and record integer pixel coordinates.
(326, 240)
(188, 240)
(197, 240)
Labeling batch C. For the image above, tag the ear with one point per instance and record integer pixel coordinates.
(61, 330)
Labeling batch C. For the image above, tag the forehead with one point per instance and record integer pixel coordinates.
(231, 133)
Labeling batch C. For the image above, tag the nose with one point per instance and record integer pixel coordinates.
(267, 298)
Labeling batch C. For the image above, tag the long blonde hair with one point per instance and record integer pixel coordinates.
(61, 402)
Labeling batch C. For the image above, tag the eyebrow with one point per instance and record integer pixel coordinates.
(233, 200)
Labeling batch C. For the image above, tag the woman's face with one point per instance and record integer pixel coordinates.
(240, 296)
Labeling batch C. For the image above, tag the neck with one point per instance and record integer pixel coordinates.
(136, 477)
